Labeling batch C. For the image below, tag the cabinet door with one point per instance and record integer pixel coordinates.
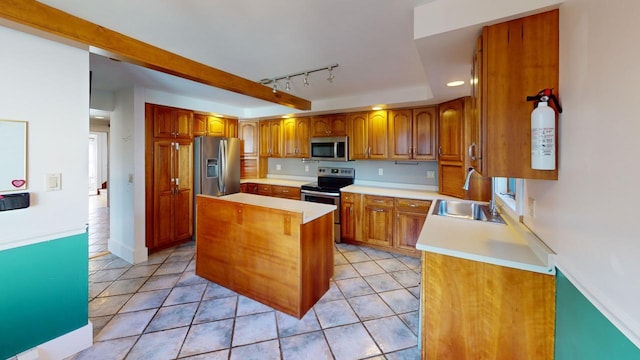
(275, 131)
(451, 129)
(474, 148)
(400, 134)
(424, 133)
(451, 179)
(321, 126)
(183, 124)
(378, 127)
(199, 125)
(163, 190)
(407, 229)
(378, 220)
(350, 213)
(289, 143)
(183, 197)
(358, 136)
(163, 121)
(216, 126)
(302, 137)
(232, 128)
(265, 138)
(339, 125)
(249, 135)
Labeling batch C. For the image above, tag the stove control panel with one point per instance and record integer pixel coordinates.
(337, 172)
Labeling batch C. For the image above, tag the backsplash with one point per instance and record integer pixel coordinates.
(409, 173)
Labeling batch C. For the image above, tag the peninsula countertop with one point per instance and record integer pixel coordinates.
(508, 244)
(310, 210)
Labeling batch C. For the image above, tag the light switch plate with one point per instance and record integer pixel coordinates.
(380, 172)
(431, 174)
(54, 182)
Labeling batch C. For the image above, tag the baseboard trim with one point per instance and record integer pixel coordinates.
(63, 346)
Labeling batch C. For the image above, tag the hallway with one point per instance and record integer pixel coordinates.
(161, 310)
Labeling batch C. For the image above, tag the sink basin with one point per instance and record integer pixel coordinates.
(465, 210)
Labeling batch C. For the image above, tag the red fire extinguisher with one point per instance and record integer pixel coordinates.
(543, 130)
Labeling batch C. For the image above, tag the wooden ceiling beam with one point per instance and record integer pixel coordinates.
(53, 21)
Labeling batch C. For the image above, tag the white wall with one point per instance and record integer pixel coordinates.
(589, 217)
(47, 84)
(126, 177)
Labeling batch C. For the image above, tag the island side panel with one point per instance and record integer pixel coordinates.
(267, 258)
(475, 310)
(213, 260)
(317, 251)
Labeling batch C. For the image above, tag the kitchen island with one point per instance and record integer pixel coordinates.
(276, 251)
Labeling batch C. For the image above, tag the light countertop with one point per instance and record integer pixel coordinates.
(509, 245)
(310, 210)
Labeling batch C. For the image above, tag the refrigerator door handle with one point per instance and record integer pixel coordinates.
(220, 170)
(223, 167)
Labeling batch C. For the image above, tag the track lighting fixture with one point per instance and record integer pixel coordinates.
(305, 80)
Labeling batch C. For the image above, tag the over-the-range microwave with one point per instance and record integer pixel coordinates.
(335, 148)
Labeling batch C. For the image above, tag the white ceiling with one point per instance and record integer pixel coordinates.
(371, 40)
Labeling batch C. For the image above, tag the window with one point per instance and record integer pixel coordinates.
(509, 191)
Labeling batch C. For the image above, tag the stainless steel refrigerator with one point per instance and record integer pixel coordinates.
(216, 165)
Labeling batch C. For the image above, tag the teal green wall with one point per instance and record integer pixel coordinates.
(43, 292)
(582, 332)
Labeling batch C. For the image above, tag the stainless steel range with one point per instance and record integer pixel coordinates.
(327, 190)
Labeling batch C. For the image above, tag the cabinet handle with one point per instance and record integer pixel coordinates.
(413, 205)
(472, 152)
(378, 210)
(378, 201)
(439, 150)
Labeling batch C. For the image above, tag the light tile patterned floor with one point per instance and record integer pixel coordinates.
(161, 310)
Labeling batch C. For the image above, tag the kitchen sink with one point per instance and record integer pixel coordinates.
(466, 210)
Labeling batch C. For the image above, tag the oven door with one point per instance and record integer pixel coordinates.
(325, 198)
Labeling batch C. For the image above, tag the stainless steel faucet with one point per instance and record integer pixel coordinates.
(492, 204)
(466, 181)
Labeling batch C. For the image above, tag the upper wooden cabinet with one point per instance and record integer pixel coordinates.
(271, 138)
(210, 125)
(248, 133)
(451, 127)
(368, 135)
(295, 137)
(412, 133)
(329, 125)
(169, 122)
(518, 58)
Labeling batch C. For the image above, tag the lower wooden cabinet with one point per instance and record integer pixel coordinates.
(410, 216)
(475, 310)
(378, 220)
(350, 216)
(286, 192)
(386, 223)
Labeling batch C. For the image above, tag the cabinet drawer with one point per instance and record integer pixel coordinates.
(285, 192)
(264, 189)
(413, 205)
(349, 197)
(378, 200)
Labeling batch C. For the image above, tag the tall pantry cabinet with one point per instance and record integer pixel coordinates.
(169, 176)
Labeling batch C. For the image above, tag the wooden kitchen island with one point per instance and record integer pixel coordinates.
(276, 251)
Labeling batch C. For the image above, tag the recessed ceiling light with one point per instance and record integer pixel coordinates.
(455, 83)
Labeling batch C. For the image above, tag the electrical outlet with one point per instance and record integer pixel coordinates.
(306, 168)
(431, 174)
(531, 207)
(380, 171)
(278, 167)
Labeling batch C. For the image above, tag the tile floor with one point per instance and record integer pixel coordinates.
(161, 310)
